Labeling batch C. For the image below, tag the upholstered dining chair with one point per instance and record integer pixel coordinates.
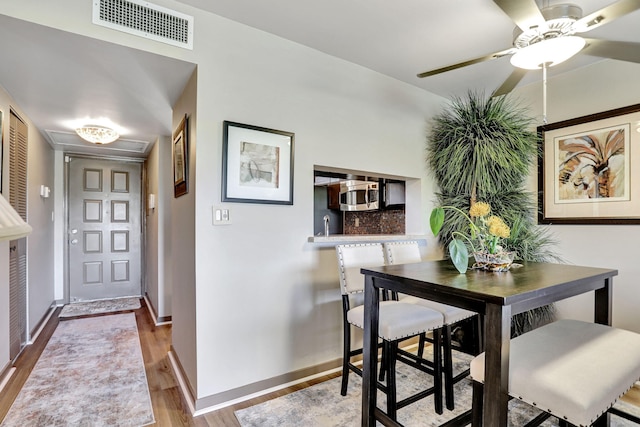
(569, 369)
(398, 321)
(406, 252)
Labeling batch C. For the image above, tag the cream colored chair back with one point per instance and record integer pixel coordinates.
(402, 252)
(353, 257)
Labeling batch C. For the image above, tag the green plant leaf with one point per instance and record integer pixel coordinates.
(436, 220)
(483, 148)
(459, 255)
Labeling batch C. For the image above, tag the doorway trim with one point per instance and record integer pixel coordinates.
(143, 226)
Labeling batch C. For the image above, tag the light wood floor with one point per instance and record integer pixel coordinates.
(168, 405)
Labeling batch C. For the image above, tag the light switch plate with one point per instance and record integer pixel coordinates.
(221, 215)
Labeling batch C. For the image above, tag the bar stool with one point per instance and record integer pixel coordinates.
(572, 370)
(406, 252)
(397, 322)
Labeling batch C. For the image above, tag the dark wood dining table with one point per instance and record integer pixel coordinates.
(495, 295)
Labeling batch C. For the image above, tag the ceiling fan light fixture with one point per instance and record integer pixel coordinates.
(97, 134)
(550, 51)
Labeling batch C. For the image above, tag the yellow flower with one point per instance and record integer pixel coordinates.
(497, 227)
(479, 209)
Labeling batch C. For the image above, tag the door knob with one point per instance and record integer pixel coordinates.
(74, 241)
(73, 231)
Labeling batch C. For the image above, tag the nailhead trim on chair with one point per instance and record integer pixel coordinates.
(540, 370)
(397, 321)
(406, 252)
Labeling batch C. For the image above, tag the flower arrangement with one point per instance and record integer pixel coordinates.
(485, 234)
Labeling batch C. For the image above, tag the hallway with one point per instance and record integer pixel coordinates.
(169, 407)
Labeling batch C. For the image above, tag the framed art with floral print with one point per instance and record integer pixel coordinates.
(589, 171)
(257, 164)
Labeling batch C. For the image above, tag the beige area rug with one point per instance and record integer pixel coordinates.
(91, 373)
(322, 405)
(91, 308)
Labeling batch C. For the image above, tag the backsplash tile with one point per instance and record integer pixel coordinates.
(374, 222)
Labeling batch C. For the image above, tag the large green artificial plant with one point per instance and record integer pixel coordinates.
(482, 149)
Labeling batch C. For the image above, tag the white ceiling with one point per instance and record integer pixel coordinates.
(57, 76)
(403, 38)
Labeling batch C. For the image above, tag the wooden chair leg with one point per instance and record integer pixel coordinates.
(476, 404)
(421, 343)
(383, 363)
(603, 421)
(479, 338)
(392, 398)
(437, 370)
(448, 367)
(346, 351)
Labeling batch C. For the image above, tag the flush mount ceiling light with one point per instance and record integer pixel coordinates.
(547, 52)
(97, 134)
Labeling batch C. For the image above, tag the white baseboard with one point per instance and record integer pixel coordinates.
(177, 372)
(153, 315)
(263, 392)
(6, 378)
(184, 389)
(44, 322)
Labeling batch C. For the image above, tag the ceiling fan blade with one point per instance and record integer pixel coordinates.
(511, 82)
(489, 57)
(606, 15)
(623, 51)
(525, 13)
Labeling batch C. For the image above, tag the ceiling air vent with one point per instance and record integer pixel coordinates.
(146, 20)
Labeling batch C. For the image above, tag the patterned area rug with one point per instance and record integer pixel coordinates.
(91, 373)
(322, 405)
(90, 308)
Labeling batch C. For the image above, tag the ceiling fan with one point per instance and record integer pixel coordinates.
(548, 36)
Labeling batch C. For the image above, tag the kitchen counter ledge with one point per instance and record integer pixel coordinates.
(356, 238)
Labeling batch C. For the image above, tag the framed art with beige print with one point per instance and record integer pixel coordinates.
(257, 164)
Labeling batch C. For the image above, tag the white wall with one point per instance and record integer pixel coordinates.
(40, 214)
(163, 202)
(151, 165)
(183, 243)
(158, 223)
(600, 87)
(258, 280)
(60, 229)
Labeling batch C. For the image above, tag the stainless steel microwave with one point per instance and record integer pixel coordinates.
(358, 195)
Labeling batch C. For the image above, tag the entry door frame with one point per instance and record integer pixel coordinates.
(143, 217)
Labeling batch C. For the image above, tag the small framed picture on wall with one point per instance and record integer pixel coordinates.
(181, 159)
